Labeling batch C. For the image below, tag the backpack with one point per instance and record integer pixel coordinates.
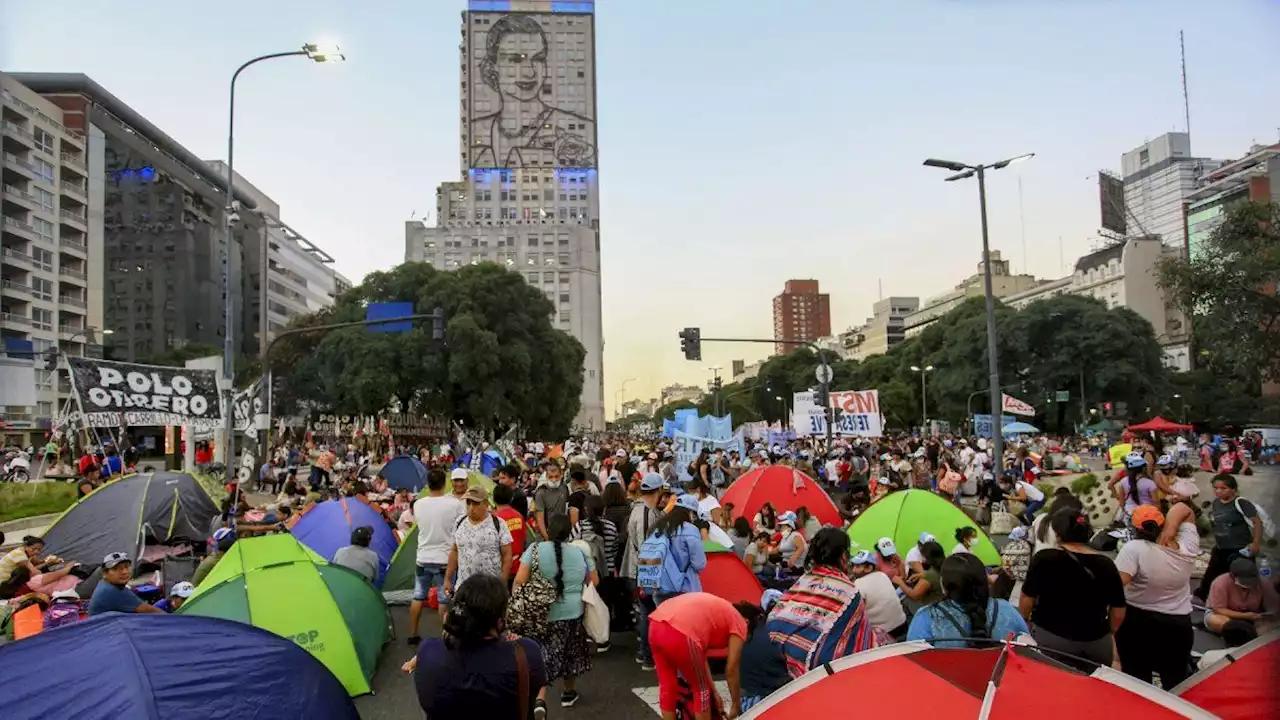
(1268, 526)
(717, 476)
(60, 614)
(588, 535)
(530, 604)
(649, 561)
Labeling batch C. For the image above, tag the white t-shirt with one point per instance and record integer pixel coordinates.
(1051, 538)
(436, 518)
(1161, 577)
(1034, 494)
(914, 555)
(960, 548)
(884, 608)
(707, 504)
(718, 535)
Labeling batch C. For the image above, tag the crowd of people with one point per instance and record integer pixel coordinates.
(575, 535)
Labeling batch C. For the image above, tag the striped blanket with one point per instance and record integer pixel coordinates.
(821, 618)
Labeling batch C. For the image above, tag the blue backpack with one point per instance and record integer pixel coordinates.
(650, 560)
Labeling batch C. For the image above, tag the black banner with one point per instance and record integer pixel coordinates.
(115, 394)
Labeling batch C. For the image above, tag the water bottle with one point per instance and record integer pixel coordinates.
(1264, 569)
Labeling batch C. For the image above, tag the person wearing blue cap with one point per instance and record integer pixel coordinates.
(675, 545)
(645, 514)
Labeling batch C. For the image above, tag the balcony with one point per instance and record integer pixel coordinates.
(18, 288)
(11, 160)
(76, 189)
(13, 130)
(74, 161)
(77, 274)
(14, 192)
(77, 218)
(14, 225)
(14, 319)
(70, 330)
(71, 302)
(17, 257)
(66, 242)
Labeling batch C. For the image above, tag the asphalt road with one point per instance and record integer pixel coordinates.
(607, 691)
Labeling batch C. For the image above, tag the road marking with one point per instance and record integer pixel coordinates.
(650, 695)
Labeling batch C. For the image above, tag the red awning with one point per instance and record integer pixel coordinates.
(1159, 425)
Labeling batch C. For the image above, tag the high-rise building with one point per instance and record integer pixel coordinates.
(1003, 282)
(50, 251)
(1254, 177)
(162, 227)
(529, 198)
(884, 329)
(300, 276)
(800, 314)
(1158, 177)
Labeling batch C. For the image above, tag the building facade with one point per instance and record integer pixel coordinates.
(50, 251)
(800, 314)
(639, 407)
(1158, 177)
(885, 328)
(1124, 275)
(1003, 282)
(163, 220)
(1253, 178)
(677, 392)
(529, 198)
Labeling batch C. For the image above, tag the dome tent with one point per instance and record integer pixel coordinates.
(903, 515)
(787, 489)
(276, 583)
(146, 666)
(728, 578)
(405, 472)
(326, 526)
(1240, 686)
(128, 514)
(400, 573)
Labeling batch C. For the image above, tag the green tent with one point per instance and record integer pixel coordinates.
(475, 478)
(276, 583)
(404, 564)
(905, 514)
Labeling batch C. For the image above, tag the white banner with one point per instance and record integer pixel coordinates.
(687, 447)
(857, 414)
(1014, 406)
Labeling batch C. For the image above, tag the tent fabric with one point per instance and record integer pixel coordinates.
(727, 577)
(786, 488)
(1242, 685)
(327, 526)
(276, 583)
(1015, 428)
(404, 564)
(405, 473)
(126, 514)
(1159, 425)
(1014, 681)
(172, 666)
(903, 515)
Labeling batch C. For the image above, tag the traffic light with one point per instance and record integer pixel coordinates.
(691, 343)
(437, 324)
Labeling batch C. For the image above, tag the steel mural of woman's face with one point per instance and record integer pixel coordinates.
(525, 84)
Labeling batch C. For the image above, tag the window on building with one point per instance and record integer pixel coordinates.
(42, 318)
(43, 227)
(563, 258)
(42, 288)
(564, 297)
(44, 140)
(42, 258)
(548, 259)
(564, 315)
(44, 197)
(43, 169)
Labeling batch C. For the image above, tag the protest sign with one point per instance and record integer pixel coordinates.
(1015, 406)
(857, 413)
(686, 449)
(982, 424)
(113, 394)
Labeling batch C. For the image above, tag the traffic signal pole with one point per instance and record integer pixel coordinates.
(691, 343)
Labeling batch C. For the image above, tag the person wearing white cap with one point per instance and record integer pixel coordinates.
(645, 515)
(888, 559)
(884, 607)
(461, 479)
(792, 546)
(178, 595)
(915, 559)
(1180, 531)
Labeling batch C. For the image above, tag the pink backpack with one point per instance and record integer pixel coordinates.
(62, 613)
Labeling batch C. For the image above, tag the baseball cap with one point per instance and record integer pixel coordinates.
(769, 597)
(182, 589)
(862, 557)
(362, 534)
(221, 533)
(113, 559)
(886, 547)
(1164, 461)
(650, 482)
(458, 474)
(1147, 513)
(787, 518)
(927, 537)
(1245, 572)
(689, 502)
(476, 495)
(621, 453)
(1134, 460)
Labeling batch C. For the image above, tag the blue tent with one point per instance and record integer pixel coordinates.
(327, 526)
(405, 473)
(166, 666)
(490, 461)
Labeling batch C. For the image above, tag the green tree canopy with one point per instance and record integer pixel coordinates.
(501, 363)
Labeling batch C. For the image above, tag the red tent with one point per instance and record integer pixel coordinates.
(1013, 681)
(727, 577)
(1158, 424)
(787, 488)
(1242, 684)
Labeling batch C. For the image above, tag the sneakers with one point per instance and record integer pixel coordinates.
(647, 665)
(601, 648)
(568, 698)
(540, 709)
(413, 639)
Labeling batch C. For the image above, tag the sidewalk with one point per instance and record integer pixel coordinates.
(14, 530)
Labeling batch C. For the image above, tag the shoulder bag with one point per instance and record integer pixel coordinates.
(530, 603)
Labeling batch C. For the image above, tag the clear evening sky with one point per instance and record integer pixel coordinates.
(742, 142)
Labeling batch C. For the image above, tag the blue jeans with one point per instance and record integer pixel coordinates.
(643, 606)
(424, 577)
(1030, 510)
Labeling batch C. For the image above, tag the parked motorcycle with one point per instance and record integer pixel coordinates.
(16, 468)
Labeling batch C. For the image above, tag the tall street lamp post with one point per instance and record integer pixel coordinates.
(924, 401)
(316, 53)
(962, 172)
(621, 396)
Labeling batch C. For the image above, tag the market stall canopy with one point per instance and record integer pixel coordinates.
(1158, 424)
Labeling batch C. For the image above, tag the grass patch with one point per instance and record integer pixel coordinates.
(30, 499)
(1084, 484)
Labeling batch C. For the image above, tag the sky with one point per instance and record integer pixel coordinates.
(741, 142)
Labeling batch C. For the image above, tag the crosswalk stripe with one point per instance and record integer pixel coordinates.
(650, 695)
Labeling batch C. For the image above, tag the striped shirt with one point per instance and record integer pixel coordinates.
(821, 618)
(610, 540)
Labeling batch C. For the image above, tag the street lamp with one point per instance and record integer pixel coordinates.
(924, 402)
(89, 331)
(317, 52)
(619, 397)
(963, 171)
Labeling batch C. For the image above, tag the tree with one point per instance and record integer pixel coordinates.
(501, 364)
(1229, 286)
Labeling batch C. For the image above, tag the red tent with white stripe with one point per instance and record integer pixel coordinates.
(1245, 683)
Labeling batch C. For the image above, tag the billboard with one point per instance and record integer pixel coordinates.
(531, 88)
(857, 413)
(1111, 201)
